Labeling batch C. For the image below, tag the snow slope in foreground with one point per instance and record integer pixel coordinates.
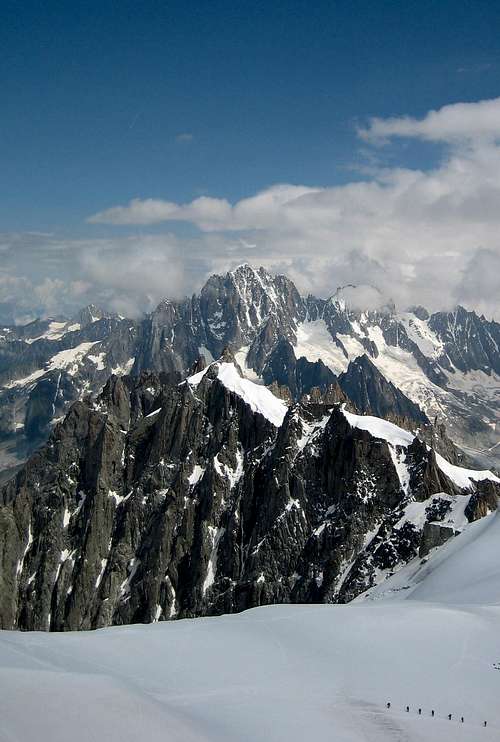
(276, 673)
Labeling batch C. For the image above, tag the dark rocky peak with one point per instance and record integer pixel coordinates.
(299, 375)
(130, 398)
(45, 401)
(263, 344)
(470, 342)
(332, 395)
(362, 467)
(280, 365)
(315, 307)
(422, 471)
(230, 310)
(483, 501)
(254, 283)
(303, 420)
(167, 313)
(314, 375)
(235, 305)
(106, 491)
(420, 313)
(436, 436)
(426, 476)
(199, 365)
(115, 398)
(334, 315)
(167, 339)
(373, 394)
(90, 314)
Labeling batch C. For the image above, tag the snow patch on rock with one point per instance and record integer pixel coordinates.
(258, 397)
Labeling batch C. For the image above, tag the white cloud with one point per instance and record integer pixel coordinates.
(204, 211)
(147, 211)
(414, 234)
(418, 236)
(363, 298)
(46, 276)
(452, 123)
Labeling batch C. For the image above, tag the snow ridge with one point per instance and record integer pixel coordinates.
(258, 397)
(397, 437)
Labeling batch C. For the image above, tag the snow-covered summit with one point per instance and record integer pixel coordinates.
(245, 271)
(379, 428)
(258, 397)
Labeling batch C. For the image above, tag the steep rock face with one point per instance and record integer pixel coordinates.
(234, 306)
(230, 310)
(426, 477)
(111, 504)
(469, 342)
(299, 375)
(436, 436)
(373, 394)
(168, 337)
(434, 534)
(43, 400)
(163, 500)
(482, 502)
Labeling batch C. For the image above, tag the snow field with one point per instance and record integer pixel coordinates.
(275, 673)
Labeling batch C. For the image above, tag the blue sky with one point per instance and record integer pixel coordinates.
(96, 96)
(145, 145)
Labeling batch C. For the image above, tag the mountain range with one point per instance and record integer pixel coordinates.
(244, 447)
(447, 364)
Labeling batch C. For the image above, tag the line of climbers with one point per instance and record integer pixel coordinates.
(485, 723)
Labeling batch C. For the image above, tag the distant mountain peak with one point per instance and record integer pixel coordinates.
(247, 268)
(361, 298)
(90, 314)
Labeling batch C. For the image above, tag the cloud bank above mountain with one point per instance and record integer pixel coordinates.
(429, 236)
